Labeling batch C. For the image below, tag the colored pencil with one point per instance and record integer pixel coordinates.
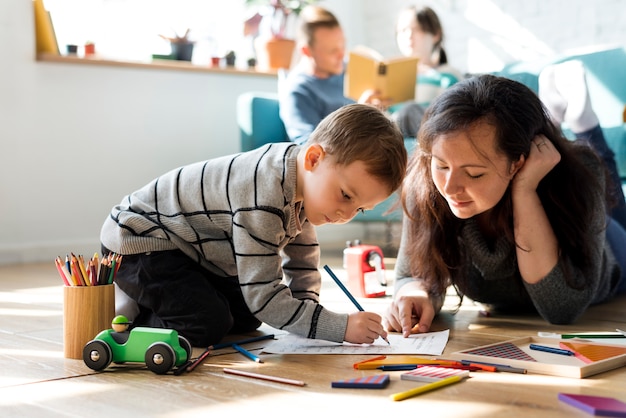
(248, 354)
(425, 388)
(552, 350)
(65, 277)
(499, 367)
(199, 360)
(264, 377)
(245, 341)
(613, 335)
(83, 270)
(347, 292)
(112, 272)
(76, 272)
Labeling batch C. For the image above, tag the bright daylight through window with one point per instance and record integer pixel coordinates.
(134, 30)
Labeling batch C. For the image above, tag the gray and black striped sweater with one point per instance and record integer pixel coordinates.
(236, 216)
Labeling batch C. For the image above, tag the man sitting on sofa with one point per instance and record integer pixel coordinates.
(314, 88)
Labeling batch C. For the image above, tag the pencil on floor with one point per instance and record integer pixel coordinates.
(199, 360)
(248, 354)
(425, 388)
(264, 377)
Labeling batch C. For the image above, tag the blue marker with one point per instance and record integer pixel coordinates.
(551, 350)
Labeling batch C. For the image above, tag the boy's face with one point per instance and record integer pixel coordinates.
(336, 193)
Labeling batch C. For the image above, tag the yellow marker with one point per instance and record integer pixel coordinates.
(425, 388)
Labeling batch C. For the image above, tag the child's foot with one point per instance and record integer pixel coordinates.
(563, 89)
(550, 96)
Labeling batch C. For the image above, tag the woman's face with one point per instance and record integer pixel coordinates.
(411, 39)
(468, 172)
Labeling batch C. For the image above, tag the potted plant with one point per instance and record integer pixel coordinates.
(270, 25)
(182, 46)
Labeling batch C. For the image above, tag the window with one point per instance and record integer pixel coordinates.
(130, 29)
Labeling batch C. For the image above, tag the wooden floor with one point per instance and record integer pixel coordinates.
(36, 380)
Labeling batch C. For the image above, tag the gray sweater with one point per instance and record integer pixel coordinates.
(236, 216)
(493, 276)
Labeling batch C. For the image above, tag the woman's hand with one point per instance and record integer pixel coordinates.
(364, 328)
(411, 311)
(543, 157)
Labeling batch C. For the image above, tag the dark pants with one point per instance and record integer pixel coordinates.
(408, 116)
(616, 228)
(175, 292)
(595, 138)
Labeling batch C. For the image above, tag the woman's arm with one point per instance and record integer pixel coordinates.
(413, 307)
(536, 245)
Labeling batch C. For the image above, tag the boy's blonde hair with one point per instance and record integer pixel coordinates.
(361, 132)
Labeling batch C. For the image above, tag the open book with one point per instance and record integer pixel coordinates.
(395, 78)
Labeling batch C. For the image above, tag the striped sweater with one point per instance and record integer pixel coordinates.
(236, 216)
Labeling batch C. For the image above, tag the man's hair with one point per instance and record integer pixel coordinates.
(312, 18)
(361, 132)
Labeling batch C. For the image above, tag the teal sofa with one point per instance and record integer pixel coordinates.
(606, 79)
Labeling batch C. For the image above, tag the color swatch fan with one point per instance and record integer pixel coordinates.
(378, 381)
(592, 352)
(504, 350)
(433, 374)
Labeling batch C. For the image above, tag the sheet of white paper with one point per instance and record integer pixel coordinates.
(431, 343)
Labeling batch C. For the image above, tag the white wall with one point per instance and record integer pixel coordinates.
(483, 35)
(76, 138)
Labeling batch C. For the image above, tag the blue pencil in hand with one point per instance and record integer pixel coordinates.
(347, 292)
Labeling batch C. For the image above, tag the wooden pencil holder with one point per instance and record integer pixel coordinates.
(87, 310)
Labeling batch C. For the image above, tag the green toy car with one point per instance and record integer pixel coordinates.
(161, 349)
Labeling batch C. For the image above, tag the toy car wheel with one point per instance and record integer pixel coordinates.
(184, 343)
(160, 358)
(97, 355)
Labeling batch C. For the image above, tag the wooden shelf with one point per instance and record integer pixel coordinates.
(156, 64)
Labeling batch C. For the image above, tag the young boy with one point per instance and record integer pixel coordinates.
(221, 246)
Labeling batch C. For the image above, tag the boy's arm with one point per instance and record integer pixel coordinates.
(268, 296)
(300, 262)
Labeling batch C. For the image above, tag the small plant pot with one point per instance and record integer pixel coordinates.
(182, 51)
(230, 59)
(274, 53)
(90, 49)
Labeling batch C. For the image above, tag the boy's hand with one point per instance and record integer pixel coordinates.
(411, 311)
(364, 328)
